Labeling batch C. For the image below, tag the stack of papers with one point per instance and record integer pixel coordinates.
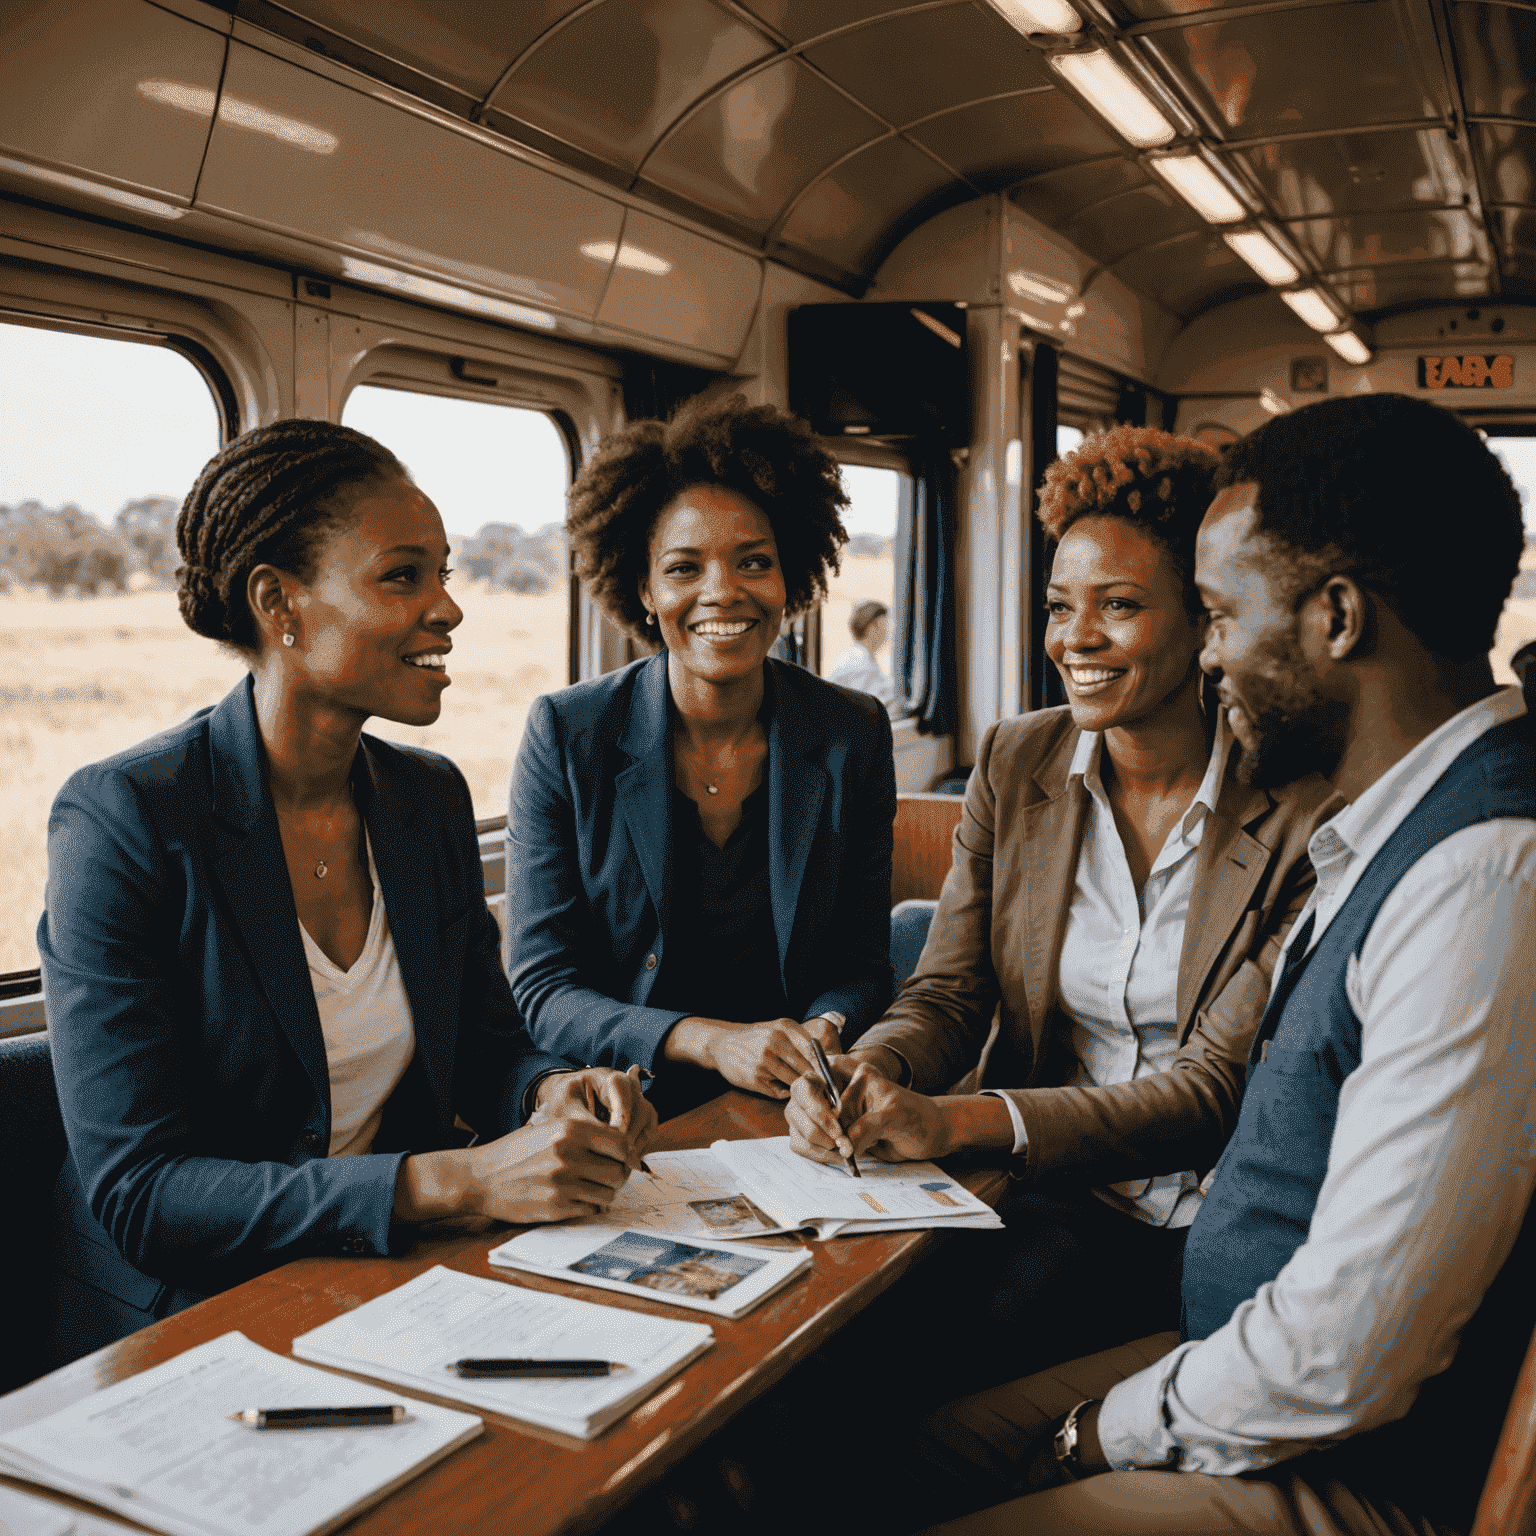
(24, 1514)
(161, 1449)
(413, 1334)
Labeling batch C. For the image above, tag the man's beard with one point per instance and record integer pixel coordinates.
(1295, 729)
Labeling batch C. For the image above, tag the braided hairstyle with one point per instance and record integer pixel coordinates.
(758, 451)
(268, 498)
(1144, 476)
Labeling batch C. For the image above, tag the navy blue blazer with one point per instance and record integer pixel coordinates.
(186, 1042)
(589, 858)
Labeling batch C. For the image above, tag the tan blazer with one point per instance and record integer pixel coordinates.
(996, 939)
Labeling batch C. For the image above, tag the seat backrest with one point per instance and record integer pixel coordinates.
(1508, 1504)
(32, 1150)
(925, 826)
(910, 921)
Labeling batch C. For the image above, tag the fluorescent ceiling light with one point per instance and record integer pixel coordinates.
(1097, 77)
(1035, 285)
(1273, 402)
(1028, 16)
(938, 328)
(1350, 348)
(1312, 306)
(1263, 255)
(1201, 188)
(627, 255)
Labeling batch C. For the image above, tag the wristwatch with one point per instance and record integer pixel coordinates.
(1065, 1442)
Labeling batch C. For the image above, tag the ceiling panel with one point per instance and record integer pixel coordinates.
(995, 142)
(1496, 49)
(910, 67)
(801, 20)
(1188, 273)
(1361, 172)
(1388, 239)
(1149, 10)
(1292, 71)
(1398, 288)
(746, 153)
(851, 214)
(1054, 196)
(615, 78)
(1508, 156)
(465, 43)
(1140, 217)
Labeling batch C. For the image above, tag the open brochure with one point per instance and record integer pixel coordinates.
(161, 1449)
(413, 1334)
(888, 1197)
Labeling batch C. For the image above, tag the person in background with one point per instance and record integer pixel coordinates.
(1360, 1284)
(699, 844)
(857, 667)
(1117, 899)
(272, 978)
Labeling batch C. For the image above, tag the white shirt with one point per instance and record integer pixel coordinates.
(1432, 1162)
(857, 668)
(1118, 976)
(370, 1036)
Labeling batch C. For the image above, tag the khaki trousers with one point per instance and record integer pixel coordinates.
(982, 1447)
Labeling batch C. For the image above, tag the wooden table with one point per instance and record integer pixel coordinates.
(513, 1477)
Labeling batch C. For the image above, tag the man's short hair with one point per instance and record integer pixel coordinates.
(864, 615)
(1399, 494)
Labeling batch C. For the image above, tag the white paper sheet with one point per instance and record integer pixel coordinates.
(413, 1334)
(160, 1448)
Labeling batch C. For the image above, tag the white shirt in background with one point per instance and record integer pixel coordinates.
(1432, 1163)
(365, 1017)
(857, 668)
(1118, 976)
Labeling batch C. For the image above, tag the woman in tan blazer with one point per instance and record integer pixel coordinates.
(1103, 944)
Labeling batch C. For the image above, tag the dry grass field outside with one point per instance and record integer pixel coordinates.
(91, 676)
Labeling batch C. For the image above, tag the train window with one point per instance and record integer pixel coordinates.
(1067, 438)
(498, 474)
(1518, 624)
(868, 573)
(103, 438)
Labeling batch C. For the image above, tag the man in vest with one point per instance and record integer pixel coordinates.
(1360, 1283)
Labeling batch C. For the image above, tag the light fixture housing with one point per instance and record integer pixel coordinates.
(1194, 180)
(1313, 307)
(1263, 255)
(1035, 16)
(1099, 78)
(1349, 347)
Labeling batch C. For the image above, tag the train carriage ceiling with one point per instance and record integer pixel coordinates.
(1390, 143)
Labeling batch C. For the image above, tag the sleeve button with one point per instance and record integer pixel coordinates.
(650, 962)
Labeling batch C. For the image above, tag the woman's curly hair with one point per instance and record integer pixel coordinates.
(758, 451)
(1143, 475)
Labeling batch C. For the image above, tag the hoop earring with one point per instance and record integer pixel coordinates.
(287, 638)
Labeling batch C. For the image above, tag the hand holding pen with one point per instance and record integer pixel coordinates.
(824, 1068)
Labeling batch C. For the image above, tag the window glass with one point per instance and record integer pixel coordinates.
(498, 475)
(1067, 438)
(101, 441)
(1518, 624)
(868, 575)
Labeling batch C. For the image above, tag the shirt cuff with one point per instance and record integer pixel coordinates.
(1020, 1135)
(1134, 1432)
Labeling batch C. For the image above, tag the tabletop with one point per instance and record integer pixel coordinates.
(535, 1481)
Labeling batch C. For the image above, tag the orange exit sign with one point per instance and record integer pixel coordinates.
(1472, 372)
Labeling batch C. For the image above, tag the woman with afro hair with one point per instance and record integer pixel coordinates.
(273, 981)
(1116, 902)
(699, 844)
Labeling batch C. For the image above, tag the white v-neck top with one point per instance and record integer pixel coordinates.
(365, 1017)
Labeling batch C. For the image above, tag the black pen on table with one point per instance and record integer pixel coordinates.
(363, 1417)
(510, 1370)
(600, 1109)
(825, 1068)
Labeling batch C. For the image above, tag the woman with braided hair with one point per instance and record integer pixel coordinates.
(699, 844)
(1117, 900)
(272, 979)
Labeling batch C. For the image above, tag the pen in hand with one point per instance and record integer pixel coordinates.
(824, 1067)
(600, 1109)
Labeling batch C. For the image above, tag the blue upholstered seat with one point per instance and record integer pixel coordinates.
(909, 932)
